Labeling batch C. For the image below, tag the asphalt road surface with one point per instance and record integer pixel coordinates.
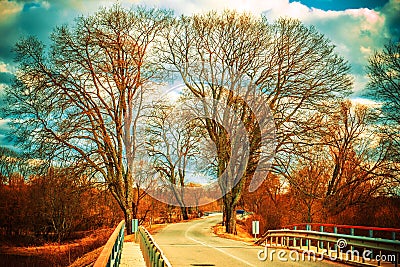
(194, 244)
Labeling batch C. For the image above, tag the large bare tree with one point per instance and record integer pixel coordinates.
(84, 94)
(227, 56)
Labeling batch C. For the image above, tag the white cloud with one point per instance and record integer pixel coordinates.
(356, 33)
(3, 67)
(46, 4)
(8, 9)
(200, 6)
(366, 50)
(3, 124)
(365, 102)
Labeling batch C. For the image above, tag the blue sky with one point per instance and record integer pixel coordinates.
(356, 27)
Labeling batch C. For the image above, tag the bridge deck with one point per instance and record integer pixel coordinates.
(132, 255)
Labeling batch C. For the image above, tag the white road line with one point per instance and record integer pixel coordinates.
(210, 246)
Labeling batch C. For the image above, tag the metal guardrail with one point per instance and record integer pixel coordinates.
(111, 253)
(383, 232)
(324, 241)
(153, 255)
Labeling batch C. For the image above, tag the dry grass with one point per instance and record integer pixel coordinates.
(88, 259)
(155, 228)
(242, 234)
(54, 254)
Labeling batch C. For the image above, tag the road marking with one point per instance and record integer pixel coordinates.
(210, 246)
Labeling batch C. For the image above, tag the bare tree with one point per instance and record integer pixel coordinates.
(142, 185)
(309, 183)
(12, 162)
(384, 86)
(85, 95)
(357, 155)
(346, 165)
(9, 160)
(384, 74)
(173, 143)
(232, 55)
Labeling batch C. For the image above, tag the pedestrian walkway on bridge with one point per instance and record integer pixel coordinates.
(132, 255)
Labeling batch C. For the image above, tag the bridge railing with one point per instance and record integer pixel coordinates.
(329, 243)
(111, 253)
(369, 231)
(152, 253)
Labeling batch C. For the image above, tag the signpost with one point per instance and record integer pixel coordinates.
(255, 228)
(135, 227)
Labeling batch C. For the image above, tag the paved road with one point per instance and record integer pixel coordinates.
(193, 244)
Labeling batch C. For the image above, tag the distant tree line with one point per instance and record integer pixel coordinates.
(49, 205)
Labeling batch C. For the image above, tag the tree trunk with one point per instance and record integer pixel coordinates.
(184, 211)
(230, 219)
(230, 212)
(128, 214)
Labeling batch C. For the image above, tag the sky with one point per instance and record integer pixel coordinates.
(356, 27)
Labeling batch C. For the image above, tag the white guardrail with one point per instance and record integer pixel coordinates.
(346, 248)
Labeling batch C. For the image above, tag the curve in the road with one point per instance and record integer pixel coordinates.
(194, 244)
(213, 247)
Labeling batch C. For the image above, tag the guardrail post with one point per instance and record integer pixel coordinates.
(335, 231)
(308, 228)
(371, 234)
(380, 257)
(152, 252)
(294, 238)
(394, 235)
(156, 258)
(337, 251)
(351, 247)
(321, 228)
(363, 259)
(328, 248)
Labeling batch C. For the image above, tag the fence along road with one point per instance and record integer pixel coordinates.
(194, 244)
(346, 247)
